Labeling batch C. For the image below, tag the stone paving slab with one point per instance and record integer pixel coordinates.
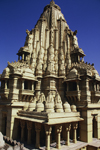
(95, 143)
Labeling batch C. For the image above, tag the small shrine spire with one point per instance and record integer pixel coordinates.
(52, 2)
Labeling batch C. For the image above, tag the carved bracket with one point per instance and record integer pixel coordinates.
(75, 126)
(58, 128)
(68, 127)
(48, 129)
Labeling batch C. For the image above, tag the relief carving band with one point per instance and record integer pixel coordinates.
(51, 92)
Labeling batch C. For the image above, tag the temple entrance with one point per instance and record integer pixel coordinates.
(94, 127)
(33, 135)
(42, 136)
(53, 134)
(4, 124)
(25, 132)
(19, 132)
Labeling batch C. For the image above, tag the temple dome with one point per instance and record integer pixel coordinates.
(6, 70)
(74, 71)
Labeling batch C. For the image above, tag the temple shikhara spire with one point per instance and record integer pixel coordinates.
(50, 93)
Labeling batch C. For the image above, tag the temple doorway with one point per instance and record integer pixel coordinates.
(4, 124)
(94, 127)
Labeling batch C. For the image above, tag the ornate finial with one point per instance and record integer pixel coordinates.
(52, 2)
(27, 31)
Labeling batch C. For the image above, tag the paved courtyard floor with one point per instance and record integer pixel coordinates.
(72, 146)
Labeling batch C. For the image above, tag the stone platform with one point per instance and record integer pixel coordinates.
(95, 144)
(73, 146)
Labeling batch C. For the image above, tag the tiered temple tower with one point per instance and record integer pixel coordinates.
(50, 88)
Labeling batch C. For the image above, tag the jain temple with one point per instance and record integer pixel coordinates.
(50, 94)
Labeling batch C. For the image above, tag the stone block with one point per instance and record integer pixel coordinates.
(2, 142)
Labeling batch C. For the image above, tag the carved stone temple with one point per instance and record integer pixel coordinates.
(50, 94)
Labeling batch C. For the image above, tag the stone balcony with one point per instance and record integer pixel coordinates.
(4, 93)
(73, 94)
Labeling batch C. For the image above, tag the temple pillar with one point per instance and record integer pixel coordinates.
(68, 127)
(78, 89)
(77, 85)
(97, 87)
(29, 127)
(5, 83)
(85, 92)
(32, 85)
(22, 56)
(48, 132)
(78, 58)
(82, 59)
(75, 126)
(58, 130)
(94, 86)
(14, 91)
(37, 129)
(22, 129)
(22, 84)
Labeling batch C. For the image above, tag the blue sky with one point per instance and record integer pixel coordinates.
(18, 15)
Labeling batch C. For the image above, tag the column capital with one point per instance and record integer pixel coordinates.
(29, 125)
(68, 126)
(48, 129)
(59, 128)
(22, 122)
(75, 126)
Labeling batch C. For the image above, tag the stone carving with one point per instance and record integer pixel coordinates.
(50, 68)
(75, 41)
(49, 105)
(50, 98)
(31, 106)
(58, 103)
(40, 105)
(42, 98)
